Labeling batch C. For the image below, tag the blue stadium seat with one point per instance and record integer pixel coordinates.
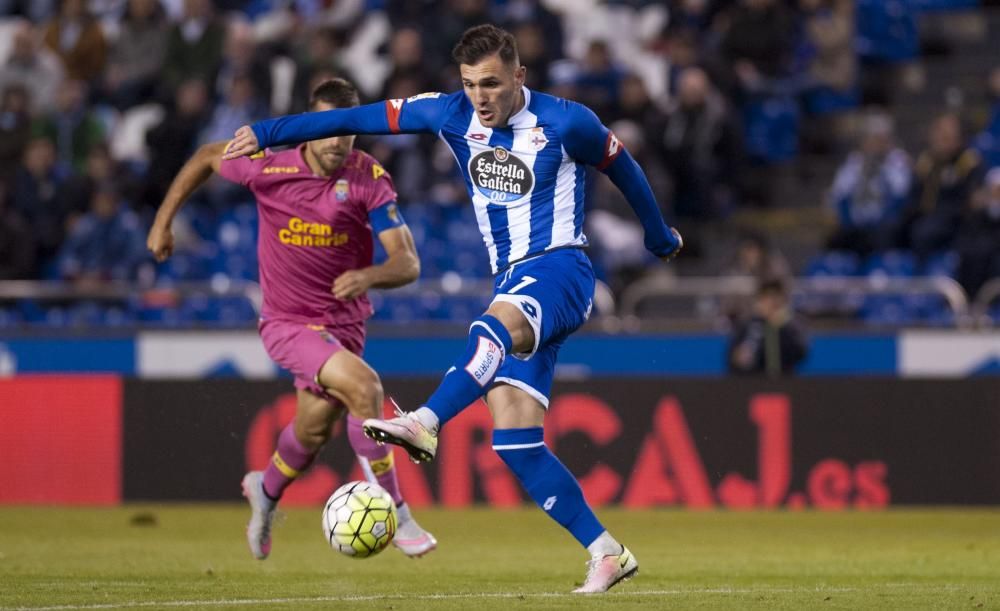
(944, 263)
(892, 263)
(887, 310)
(833, 263)
(10, 317)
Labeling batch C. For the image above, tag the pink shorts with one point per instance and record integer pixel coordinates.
(303, 349)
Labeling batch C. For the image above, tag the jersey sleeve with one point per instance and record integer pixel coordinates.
(422, 113)
(586, 139)
(380, 201)
(243, 170)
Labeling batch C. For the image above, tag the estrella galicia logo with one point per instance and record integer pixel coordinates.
(501, 176)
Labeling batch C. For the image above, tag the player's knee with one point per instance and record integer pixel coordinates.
(522, 335)
(365, 396)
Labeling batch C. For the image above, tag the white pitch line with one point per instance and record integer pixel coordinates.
(236, 602)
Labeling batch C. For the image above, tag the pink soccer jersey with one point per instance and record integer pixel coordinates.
(312, 229)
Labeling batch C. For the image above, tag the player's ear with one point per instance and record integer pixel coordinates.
(519, 75)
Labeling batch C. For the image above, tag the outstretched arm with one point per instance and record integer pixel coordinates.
(660, 239)
(195, 172)
(419, 114)
(588, 141)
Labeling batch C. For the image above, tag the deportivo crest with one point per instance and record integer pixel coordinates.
(341, 188)
(538, 139)
(500, 176)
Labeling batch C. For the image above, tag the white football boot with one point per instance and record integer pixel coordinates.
(404, 431)
(606, 571)
(262, 511)
(413, 540)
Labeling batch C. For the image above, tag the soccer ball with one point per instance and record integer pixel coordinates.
(359, 519)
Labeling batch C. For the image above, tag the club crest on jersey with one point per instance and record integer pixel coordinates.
(538, 139)
(340, 189)
(500, 176)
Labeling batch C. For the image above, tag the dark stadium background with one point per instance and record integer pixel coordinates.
(755, 121)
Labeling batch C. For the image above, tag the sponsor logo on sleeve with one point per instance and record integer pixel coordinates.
(612, 148)
(424, 96)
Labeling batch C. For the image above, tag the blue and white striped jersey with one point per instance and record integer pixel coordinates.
(526, 179)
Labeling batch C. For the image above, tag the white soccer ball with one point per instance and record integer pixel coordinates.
(359, 519)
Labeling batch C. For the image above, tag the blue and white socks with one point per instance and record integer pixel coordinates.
(471, 376)
(550, 484)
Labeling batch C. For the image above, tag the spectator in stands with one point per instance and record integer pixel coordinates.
(599, 79)
(758, 41)
(35, 10)
(771, 342)
(33, 67)
(74, 127)
(978, 242)
(826, 48)
(15, 130)
(701, 148)
(17, 242)
(106, 244)
(194, 46)
(77, 38)
(242, 57)
(175, 138)
(825, 51)
(946, 175)
(533, 52)
(242, 105)
(137, 55)
(75, 194)
(35, 188)
(870, 190)
(987, 142)
(887, 42)
(316, 61)
(758, 259)
(407, 59)
(695, 14)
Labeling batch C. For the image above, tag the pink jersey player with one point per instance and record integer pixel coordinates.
(319, 206)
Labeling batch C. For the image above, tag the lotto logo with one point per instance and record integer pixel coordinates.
(549, 503)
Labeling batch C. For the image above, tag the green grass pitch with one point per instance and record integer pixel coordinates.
(194, 556)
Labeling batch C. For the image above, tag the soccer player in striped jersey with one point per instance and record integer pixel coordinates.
(523, 154)
(319, 205)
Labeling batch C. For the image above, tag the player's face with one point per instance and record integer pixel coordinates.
(327, 155)
(494, 88)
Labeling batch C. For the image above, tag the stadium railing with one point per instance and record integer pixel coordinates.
(679, 301)
(832, 297)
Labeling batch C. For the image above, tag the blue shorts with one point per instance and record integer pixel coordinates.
(555, 292)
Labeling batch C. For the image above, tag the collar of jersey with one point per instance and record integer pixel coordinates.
(518, 116)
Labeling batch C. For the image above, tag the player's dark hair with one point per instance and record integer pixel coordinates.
(481, 41)
(337, 92)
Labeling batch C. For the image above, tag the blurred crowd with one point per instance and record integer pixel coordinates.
(102, 101)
